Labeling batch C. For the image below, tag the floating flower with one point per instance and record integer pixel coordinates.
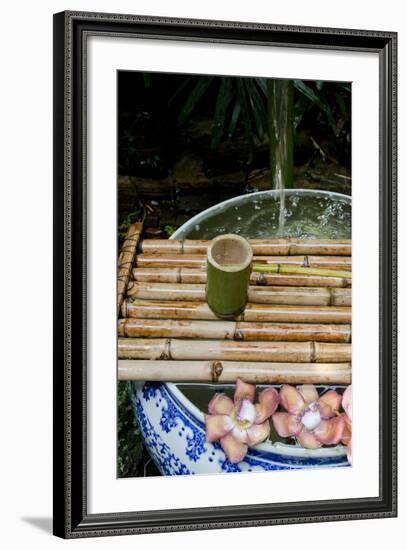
(240, 424)
(313, 420)
(347, 415)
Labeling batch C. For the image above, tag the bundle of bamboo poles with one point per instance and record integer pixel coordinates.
(296, 327)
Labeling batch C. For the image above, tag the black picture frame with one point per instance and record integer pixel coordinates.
(71, 519)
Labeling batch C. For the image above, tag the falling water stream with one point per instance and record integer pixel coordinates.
(280, 110)
(281, 216)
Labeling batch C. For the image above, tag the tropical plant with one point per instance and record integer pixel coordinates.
(129, 444)
(267, 109)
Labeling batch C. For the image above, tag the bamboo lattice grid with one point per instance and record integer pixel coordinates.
(296, 327)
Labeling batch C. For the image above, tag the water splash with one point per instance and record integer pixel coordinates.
(280, 107)
(282, 212)
(294, 213)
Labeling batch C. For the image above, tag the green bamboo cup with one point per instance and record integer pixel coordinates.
(229, 265)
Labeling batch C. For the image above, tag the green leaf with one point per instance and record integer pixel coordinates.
(262, 84)
(341, 103)
(224, 98)
(193, 99)
(301, 107)
(247, 122)
(169, 229)
(129, 445)
(179, 90)
(258, 108)
(234, 118)
(147, 80)
(321, 104)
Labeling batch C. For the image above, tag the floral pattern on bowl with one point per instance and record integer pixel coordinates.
(173, 430)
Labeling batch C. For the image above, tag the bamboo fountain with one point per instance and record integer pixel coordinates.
(291, 321)
(178, 347)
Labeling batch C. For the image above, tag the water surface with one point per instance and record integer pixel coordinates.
(302, 215)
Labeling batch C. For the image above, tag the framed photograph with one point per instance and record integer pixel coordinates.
(224, 274)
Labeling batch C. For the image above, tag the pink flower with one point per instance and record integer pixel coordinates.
(347, 415)
(313, 420)
(240, 424)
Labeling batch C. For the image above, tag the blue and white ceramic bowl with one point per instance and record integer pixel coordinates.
(173, 431)
(171, 425)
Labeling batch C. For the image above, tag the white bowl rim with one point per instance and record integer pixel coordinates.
(203, 215)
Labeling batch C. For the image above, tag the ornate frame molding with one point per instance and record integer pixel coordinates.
(71, 30)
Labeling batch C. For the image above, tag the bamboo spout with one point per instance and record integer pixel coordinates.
(228, 268)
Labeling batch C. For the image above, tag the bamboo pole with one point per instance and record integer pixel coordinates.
(323, 296)
(126, 260)
(298, 270)
(336, 263)
(198, 276)
(166, 291)
(169, 275)
(225, 372)
(150, 309)
(260, 247)
(226, 350)
(171, 260)
(233, 330)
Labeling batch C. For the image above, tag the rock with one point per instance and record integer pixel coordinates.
(189, 172)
